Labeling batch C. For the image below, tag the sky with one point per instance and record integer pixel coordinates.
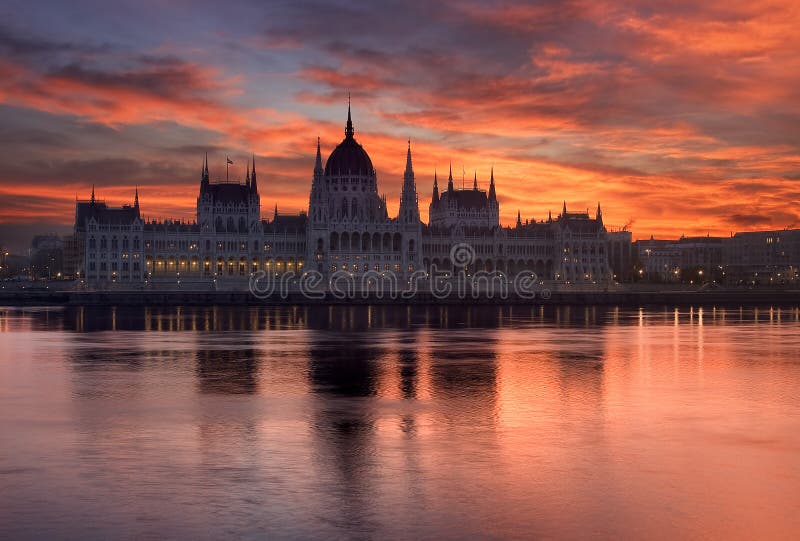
(678, 117)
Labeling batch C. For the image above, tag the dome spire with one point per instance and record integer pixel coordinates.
(348, 130)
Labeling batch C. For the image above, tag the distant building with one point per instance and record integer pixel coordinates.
(47, 257)
(762, 257)
(703, 253)
(347, 228)
(660, 260)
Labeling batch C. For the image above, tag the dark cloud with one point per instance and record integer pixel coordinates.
(15, 43)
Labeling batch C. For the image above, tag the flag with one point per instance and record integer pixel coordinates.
(230, 162)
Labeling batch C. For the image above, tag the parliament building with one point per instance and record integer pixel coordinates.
(347, 228)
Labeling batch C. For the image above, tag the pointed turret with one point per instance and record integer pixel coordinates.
(599, 214)
(519, 219)
(450, 179)
(475, 181)
(549, 216)
(492, 193)
(92, 199)
(136, 198)
(564, 209)
(253, 182)
(318, 163)
(435, 198)
(247, 178)
(275, 216)
(348, 129)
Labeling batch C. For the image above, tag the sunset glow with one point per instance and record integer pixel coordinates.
(681, 119)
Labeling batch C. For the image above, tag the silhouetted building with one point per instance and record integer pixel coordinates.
(347, 228)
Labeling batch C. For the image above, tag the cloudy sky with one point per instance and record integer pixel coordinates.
(682, 118)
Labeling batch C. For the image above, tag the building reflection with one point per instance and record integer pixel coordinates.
(227, 371)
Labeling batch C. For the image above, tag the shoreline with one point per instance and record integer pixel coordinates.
(245, 298)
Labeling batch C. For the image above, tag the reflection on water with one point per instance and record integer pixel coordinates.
(424, 422)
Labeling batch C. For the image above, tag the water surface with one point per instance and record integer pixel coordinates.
(320, 423)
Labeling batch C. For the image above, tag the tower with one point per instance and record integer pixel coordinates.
(409, 205)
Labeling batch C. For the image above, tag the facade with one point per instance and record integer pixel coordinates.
(347, 228)
(660, 260)
(763, 257)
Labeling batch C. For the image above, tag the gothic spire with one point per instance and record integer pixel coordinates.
(204, 174)
(409, 169)
(519, 219)
(549, 216)
(475, 181)
(492, 193)
(247, 178)
(599, 214)
(253, 183)
(435, 197)
(450, 179)
(136, 198)
(564, 209)
(92, 200)
(318, 163)
(275, 217)
(348, 129)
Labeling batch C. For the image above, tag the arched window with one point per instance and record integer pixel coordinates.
(334, 241)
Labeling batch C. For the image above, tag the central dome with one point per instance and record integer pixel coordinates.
(349, 158)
